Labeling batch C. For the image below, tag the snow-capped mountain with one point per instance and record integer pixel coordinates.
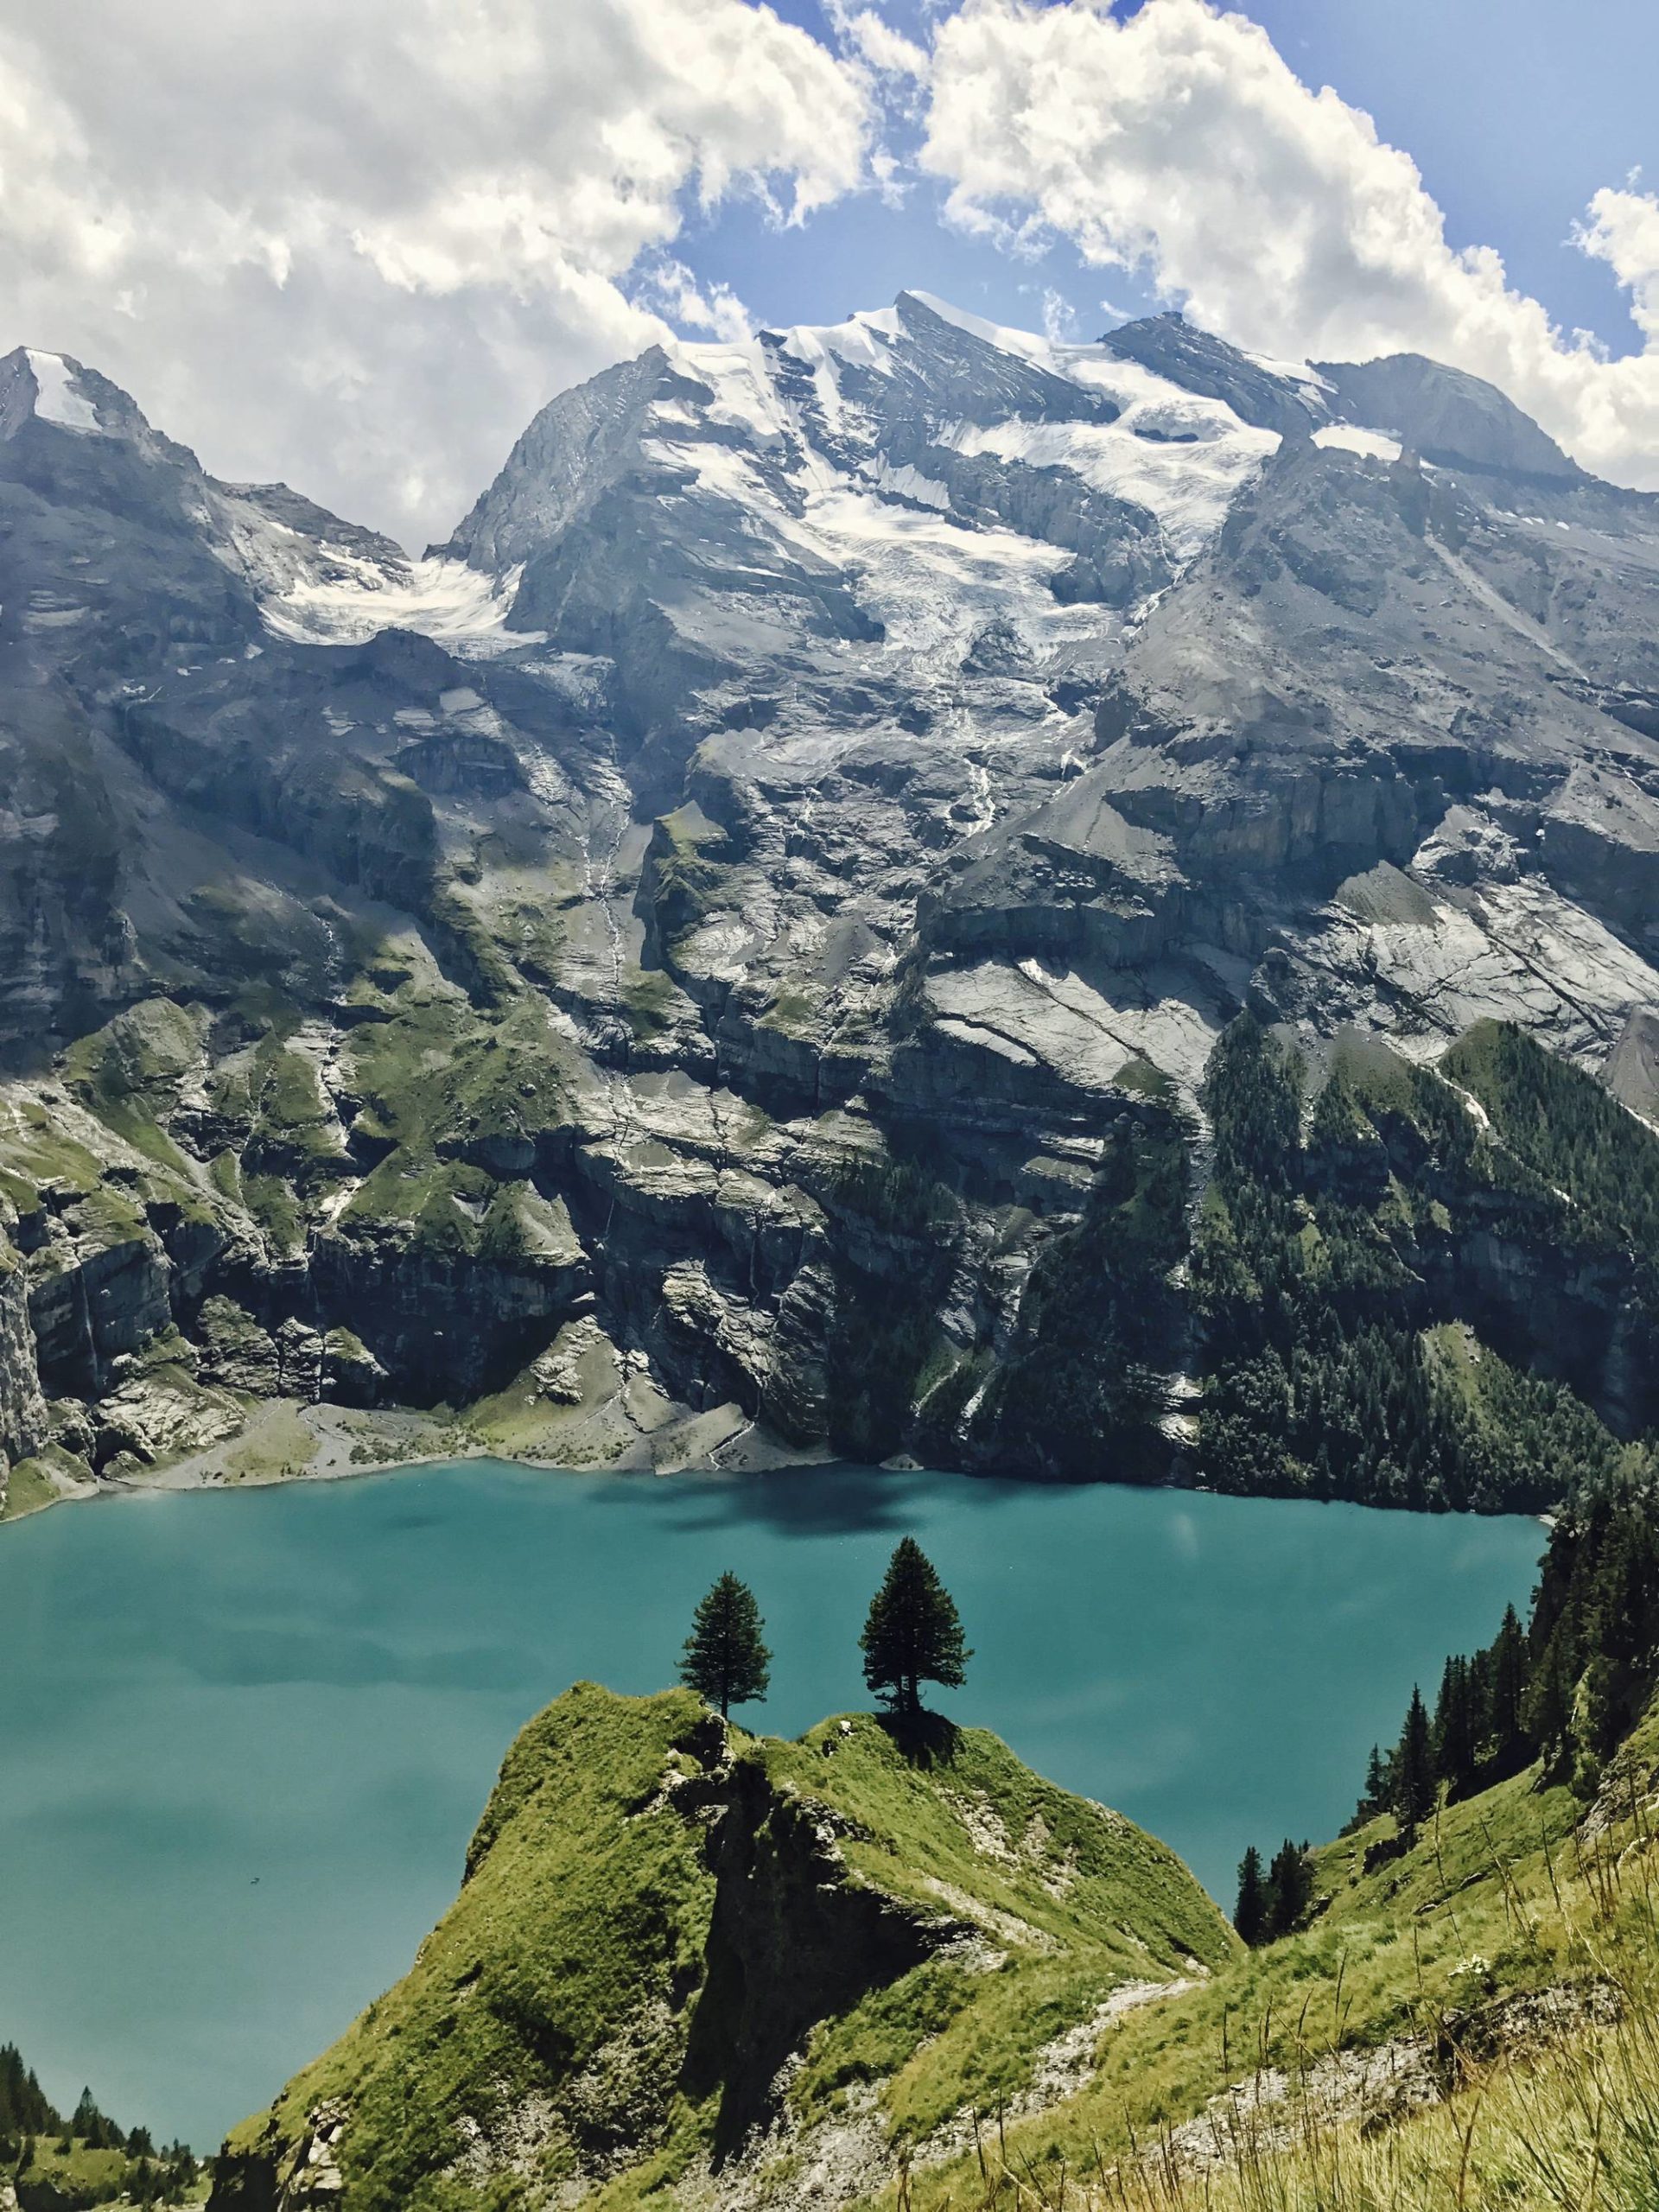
(902, 736)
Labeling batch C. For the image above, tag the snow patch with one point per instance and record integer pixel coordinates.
(1183, 458)
(934, 584)
(57, 400)
(726, 471)
(444, 600)
(738, 378)
(1296, 373)
(1348, 437)
(864, 341)
(1024, 345)
(907, 483)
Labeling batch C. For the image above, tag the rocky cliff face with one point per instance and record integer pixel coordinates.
(677, 1948)
(22, 1406)
(726, 937)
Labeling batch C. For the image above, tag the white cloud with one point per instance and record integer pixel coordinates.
(1622, 230)
(1060, 318)
(883, 48)
(1178, 144)
(359, 246)
(671, 289)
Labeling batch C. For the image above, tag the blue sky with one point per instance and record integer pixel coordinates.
(1514, 111)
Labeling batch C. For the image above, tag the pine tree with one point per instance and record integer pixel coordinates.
(24, 2109)
(724, 1660)
(1290, 1888)
(1547, 1710)
(1377, 1784)
(1250, 1913)
(913, 1634)
(1507, 1695)
(1454, 1732)
(1598, 1715)
(89, 2125)
(1413, 1768)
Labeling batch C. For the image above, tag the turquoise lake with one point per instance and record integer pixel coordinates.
(243, 1737)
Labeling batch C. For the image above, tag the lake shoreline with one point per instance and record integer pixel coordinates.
(339, 1442)
(343, 1442)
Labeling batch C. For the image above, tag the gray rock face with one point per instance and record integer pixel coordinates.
(1257, 393)
(1446, 416)
(734, 900)
(22, 1404)
(1633, 1064)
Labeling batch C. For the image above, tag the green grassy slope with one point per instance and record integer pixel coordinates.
(690, 1966)
(1443, 2034)
(671, 1935)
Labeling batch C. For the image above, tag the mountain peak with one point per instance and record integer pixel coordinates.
(1268, 395)
(60, 397)
(67, 396)
(912, 306)
(47, 387)
(1448, 416)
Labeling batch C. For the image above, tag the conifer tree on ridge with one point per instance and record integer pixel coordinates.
(913, 1633)
(1413, 1768)
(725, 1660)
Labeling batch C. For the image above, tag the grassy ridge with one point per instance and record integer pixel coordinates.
(585, 1897)
(1443, 2034)
(926, 1919)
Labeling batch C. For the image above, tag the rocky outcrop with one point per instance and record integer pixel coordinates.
(1633, 1064)
(98, 1289)
(791, 1941)
(1172, 347)
(1446, 416)
(23, 1403)
(437, 1320)
(1598, 841)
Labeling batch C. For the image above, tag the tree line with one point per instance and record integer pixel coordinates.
(1323, 1379)
(1564, 1690)
(912, 1634)
(1323, 1375)
(1561, 1690)
(34, 2136)
(1274, 1900)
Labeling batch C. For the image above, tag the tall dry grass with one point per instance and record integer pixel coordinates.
(1560, 2115)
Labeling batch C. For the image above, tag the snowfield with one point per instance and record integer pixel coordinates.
(462, 607)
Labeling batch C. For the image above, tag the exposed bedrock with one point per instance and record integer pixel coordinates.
(22, 1404)
(95, 1304)
(1578, 1317)
(1633, 1065)
(442, 1325)
(1598, 843)
(791, 1941)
